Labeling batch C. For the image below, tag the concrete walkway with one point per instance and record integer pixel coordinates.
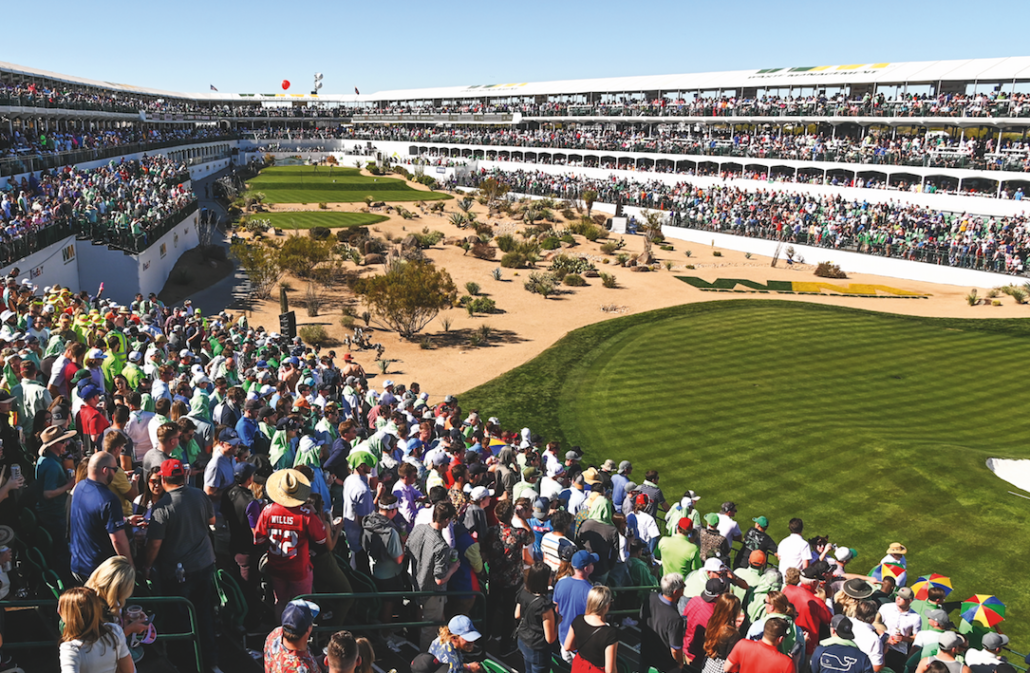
(233, 291)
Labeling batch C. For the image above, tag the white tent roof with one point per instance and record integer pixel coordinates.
(984, 70)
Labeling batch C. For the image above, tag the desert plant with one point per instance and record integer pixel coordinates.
(564, 264)
(445, 322)
(972, 299)
(716, 253)
(366, 318)
(475, 339)
(322, 206)
(465, 205)
(540, 283)
(748, 255)
(472, 288)
(993, 293)
(408, 296)
(668, 265)
(384, 365)
(589, 196)
(550, 243)
(612, 246)
(484, 332)
(506, 242)
(651, 228)
(574, 280)
(996, 302)
(426, 343)
(1018, 294)
(369, 199)
(622, 258)
(458, 220)
(608, 280)
(313, 335)
(347, 322)
(688, 253)
(313, 300)
(496, 273)
(829, 270)
(262, 264)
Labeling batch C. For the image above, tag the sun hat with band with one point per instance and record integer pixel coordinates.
(53, 435)
(288, 488)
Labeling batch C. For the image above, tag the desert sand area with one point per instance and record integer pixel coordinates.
(526, 323)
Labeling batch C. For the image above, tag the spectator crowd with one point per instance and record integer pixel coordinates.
(147, 446)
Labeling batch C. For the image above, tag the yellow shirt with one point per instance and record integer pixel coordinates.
(120, 486)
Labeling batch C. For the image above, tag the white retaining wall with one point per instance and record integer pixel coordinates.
(54, 265)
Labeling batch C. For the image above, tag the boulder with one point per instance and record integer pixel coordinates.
(373, 259)
(410, 241)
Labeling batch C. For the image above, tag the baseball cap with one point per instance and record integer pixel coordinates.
(712, 519)
(253, 403)
(841, 624)
(757, 558)
(572, 455)
(939, 616)
(714, 588)
(530, 473)
(906, 594)
(685, 525)
(480, 492)
(460, 625)
(244, 471)
(89, 391)
(583, 558)
(993, 641)
(172, 468)
(761, 521)
(555, 469)
(229, 436)
(729, 506)
(625, 465)
(949, 640)
(844, 554)
(816, 571)
(643, 500)
(298, 616)
(714, 565)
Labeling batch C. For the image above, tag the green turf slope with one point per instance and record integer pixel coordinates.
(301, 184)
(872, 427)
(306, 219)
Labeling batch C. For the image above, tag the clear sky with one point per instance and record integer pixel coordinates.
(251, 47)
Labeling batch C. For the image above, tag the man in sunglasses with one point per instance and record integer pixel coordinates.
(97, 522)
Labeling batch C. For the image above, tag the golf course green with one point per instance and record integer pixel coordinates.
(302, 184)
(306, 219)
(874, 428)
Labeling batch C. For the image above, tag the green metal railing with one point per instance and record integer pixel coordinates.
(192, 635)
(399, 595)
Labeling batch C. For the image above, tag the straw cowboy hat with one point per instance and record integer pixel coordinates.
(288, 488)
(54, 434)
(897, 548)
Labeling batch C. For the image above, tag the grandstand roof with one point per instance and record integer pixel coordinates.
(988, 70)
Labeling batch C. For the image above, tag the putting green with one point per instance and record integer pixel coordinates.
(306, 219)
(301, 184)
(872, 427)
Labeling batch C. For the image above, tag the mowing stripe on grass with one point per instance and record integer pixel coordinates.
(300, 184)
(872, 427)
(306, 219)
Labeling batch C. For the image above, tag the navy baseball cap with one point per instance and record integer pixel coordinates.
(298, 616)
(583, 558)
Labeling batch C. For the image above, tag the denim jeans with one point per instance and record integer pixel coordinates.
(537, 661)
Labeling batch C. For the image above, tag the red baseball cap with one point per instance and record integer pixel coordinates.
(686, 524)
(172, 468)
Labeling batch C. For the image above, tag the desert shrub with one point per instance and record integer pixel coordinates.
(408, 296)
(319, 233)
(608, 280)
(550, 243)
(427, 238)
(263, 266)
(564, 264)
(313, 335)
(568, 213)
(666, 248)
(506, 242)
(611, 247)
(481, 305)
(688, 253)
(347, 322)
(472, 288)
(540, 283)
(402, 171)
(426, 343)
(594, 233)
(300, 255)
(574, 280)
(971, 298)
(1018, 294)
(313, 300)
(829, 270)
(622, 258)
(716, 253)
(496, 274)
(322, 206)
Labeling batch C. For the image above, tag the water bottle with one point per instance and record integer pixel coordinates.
(180, 573)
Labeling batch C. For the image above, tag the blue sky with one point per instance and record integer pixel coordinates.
(252, 47)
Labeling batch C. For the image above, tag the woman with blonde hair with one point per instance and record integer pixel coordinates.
(722, 633)
(595, 643)
(455, 639)
(114, 580)
(88, 643)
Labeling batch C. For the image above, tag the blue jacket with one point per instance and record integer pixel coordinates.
(835, 655)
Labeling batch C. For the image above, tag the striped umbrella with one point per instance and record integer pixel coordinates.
(924, 583)
(894, 570)
(983, 608)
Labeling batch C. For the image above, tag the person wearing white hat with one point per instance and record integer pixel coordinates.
(289, 528)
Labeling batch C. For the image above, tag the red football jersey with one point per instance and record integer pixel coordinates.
(289, 530)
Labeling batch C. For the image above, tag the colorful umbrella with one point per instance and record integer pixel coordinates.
(924, 583)
(983, 608)
(894, 570)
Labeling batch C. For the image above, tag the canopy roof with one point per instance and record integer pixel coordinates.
(987, 70)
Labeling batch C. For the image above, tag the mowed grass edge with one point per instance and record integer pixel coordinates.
(872, 427)
(300, 184)
(307, 219)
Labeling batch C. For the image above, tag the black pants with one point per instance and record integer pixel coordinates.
(199, 589)
(502, 603)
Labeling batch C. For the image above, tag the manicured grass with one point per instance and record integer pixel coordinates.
(873, 428)
(306, 219)
(300, 184)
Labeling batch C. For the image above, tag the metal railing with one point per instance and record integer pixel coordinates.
(32, 162)
(399, 595)
(192, 635)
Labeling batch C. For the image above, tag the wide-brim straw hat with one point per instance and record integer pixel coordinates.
(288, 488)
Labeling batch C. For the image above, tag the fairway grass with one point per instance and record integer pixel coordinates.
(306, 219)
(300, 184)
(872, 427)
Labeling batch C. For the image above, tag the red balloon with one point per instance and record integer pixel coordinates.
(286, 84)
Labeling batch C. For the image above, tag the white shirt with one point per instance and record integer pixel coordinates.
(982, 661)
(137, 430)
(728, 528)
(647, 527)
(576, 499)
(794, 551)
(101, 657)
(868, 641)
(906, 623)
(549, 488)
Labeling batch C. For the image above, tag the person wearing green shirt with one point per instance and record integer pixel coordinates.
(761, 580)
(677, 553)
(131, 371)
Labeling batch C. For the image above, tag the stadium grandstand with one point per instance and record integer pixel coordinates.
(238, 492)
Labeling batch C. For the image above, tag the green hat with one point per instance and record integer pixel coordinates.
(530, 472)
(762, 521)
(712, 519)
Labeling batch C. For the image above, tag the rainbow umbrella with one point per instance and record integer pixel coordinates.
(983, 608)
(924, 583)
(894, 570)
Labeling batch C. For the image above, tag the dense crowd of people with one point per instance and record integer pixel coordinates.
(150, 445)
(999, 244)
(120, 201)
(19, 143)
